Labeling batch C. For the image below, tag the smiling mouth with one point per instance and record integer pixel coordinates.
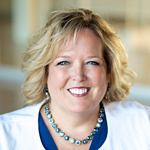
(79, 91)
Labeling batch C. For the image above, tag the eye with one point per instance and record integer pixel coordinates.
(93, 63)
(63, 63)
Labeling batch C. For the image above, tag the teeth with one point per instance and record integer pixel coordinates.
(78, 91)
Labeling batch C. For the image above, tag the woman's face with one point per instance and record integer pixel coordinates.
(77, 78)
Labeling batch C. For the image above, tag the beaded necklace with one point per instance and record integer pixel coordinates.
(72, 140)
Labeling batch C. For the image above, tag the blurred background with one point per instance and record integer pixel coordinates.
(19, 19)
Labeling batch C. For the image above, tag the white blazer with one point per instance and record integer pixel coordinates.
(128, 127)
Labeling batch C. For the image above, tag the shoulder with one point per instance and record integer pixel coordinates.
(128, 110)
(126, 106)
(128, 123)
(20, 125)
(25, 113)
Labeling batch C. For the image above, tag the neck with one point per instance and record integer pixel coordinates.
(77, 125)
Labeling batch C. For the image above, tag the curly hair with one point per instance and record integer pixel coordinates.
(48, 42)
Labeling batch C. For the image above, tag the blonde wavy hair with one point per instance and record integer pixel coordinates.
(50, 40)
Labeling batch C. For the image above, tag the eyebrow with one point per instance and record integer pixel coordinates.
(63, 56)
(89, 57)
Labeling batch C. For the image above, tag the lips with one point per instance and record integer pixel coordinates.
(79, 91)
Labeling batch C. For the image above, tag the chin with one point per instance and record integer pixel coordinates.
(79, 109)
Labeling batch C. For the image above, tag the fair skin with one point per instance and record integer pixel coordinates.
(77, 82)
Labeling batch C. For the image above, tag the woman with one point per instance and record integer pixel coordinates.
(79, 65)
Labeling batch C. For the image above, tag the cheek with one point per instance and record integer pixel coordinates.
(56, 78)
(98, 76)
(99, 81)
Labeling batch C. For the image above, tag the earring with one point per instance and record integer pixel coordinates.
(107, 91)
(46, 92)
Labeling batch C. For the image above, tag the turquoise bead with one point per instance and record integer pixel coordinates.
(101, 110)
(47, 111)
(84, 141)
(101, 115)
(49, 116)
(92, 133)
(57, 130)
(71, 140)
(61, 134)
(100, 120)
(54, 125)
(95, 129)
(46, 108)
(66, 137)
(78, 142)
(89, 138)
(51, 120)
(98, 125)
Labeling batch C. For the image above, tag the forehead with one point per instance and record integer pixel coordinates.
(83, 39)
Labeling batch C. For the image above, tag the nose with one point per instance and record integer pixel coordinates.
(78, 73)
